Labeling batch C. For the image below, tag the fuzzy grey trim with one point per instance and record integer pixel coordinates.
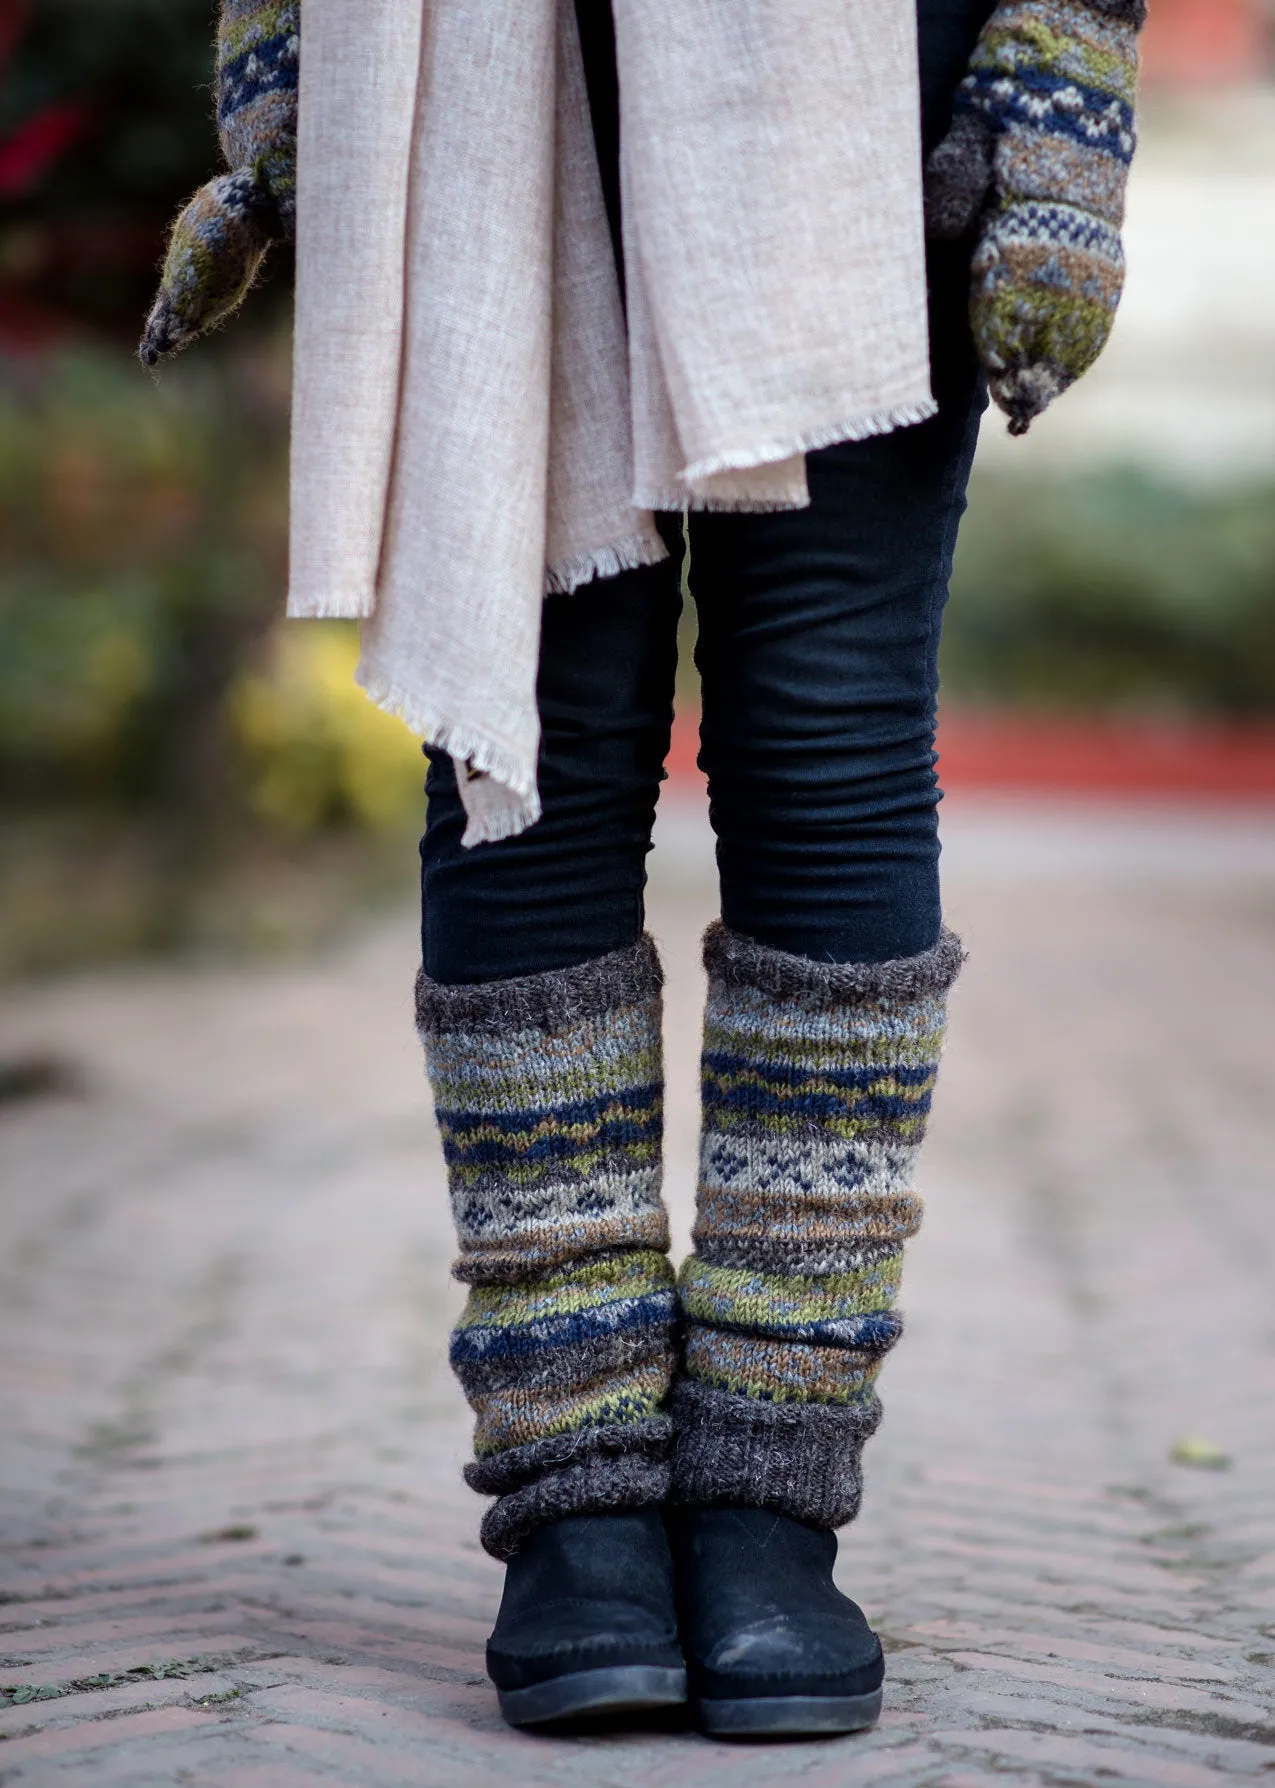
(589, 1472)
(516, 1466)
(594, 1487)
(800, 1459)
(733, 960)
(550, 1002)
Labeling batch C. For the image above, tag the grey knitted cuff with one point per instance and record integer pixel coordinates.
(1133, 10)
(587, 1472)
(800, 1459)
(958, 177)
(550, 1002)
(736, 961)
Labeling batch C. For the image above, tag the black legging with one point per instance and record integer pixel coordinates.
(818, 643)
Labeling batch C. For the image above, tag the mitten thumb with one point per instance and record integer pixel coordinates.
(957, 178)
(213, 256)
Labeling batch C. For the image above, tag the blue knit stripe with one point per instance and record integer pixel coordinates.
(1037, 100)
(1037, 221)
(876, 1332)
(854, 1077)
(488, 1341)
(519, 1139)
(270, 67)
(750, 1100)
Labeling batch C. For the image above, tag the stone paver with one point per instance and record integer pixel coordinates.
(230, 1471)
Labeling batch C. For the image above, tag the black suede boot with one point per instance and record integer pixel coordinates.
(774, 1649)
(588, 1621)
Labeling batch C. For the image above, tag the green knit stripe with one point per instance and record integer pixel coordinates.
(586, 1285)
(784, 1303)
(1072, 43)
(521, 1416)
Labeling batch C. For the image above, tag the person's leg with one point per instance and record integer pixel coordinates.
(818, 651)
(539, 1008)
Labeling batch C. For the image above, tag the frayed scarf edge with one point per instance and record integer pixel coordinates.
(860, 428)
(499, 797)
(629, 554)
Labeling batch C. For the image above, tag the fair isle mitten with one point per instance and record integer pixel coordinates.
(548, 1091)
(816, 1080)
(1038, 159)
(219, 240)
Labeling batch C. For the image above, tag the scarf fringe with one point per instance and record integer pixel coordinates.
(499, 798)
(675, 501)
(333, 607)
(875, 422)
(629, 554)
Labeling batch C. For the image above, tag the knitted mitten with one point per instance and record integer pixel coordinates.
(548, 1090)
(218, 242)
(1038, 158)
(817, 1079)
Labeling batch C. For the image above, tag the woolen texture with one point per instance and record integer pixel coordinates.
(628, 1468)
(549, 1097)
(472, 425)
(1038, 160)
(804, 1461)
(219, 240)
(817, 1080)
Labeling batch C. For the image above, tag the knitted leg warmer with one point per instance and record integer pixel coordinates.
(817, 1080)
(548, 1091)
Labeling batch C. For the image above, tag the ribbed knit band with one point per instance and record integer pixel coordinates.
(590, 1471)
(802, 1460)
(1134, 12)
(816, 1087)
(548, 1091)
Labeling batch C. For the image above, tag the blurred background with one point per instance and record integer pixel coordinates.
(182, 771)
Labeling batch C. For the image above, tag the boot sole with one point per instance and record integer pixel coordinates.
(789, 1716)
(627, 1688)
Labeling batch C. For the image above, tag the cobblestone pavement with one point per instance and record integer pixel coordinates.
(235, 1538)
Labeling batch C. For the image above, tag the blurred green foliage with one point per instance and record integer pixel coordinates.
(177, 761)
(141, 555)
(166, 747)
(106, 127)
(1115, 590)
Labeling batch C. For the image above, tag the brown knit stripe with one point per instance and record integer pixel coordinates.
(754, 1214)
(1032, 166)
(754, 1365)
(526, 1251)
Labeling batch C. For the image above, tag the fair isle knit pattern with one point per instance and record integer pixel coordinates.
(219, 240)
(548, 1091)
(817, 1081)
(1039, 150)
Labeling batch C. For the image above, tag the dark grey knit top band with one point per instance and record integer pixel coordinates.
(1133, 10)
(736, 961)
(505, 1472)
(551, 1002)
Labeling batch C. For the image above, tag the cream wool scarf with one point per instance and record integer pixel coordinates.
(473, 424)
